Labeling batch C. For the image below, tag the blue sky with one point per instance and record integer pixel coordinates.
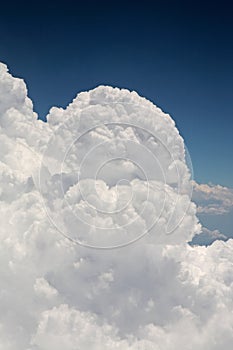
(177, 54)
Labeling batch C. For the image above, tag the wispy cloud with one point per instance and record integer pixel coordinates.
(207, 237)
(212, 199)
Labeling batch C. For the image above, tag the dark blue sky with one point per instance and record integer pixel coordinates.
(179, 54)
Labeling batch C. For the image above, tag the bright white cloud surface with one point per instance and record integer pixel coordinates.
(104, 172)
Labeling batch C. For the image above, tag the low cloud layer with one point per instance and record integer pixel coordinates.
(108, 170)
(213, 199)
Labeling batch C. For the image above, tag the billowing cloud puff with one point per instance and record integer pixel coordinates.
(108, 170)
(117, 165)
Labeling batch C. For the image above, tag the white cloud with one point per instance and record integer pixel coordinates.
(43, 288)
(213, 199)
(158, 293)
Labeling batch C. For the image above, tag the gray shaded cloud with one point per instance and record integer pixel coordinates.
(207, 237)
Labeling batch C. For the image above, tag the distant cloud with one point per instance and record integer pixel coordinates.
(207, 237)
(212, 199)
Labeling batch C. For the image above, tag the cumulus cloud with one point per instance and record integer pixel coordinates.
(213, 199)
(104, 172)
